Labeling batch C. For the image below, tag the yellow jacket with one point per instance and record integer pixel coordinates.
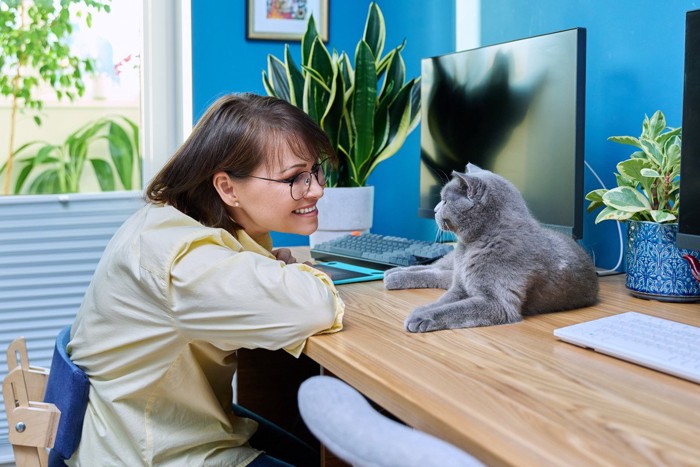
(157, 333)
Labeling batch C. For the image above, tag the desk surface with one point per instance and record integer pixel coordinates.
(514, 394)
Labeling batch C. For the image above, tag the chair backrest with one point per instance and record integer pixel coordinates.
(343, 420)
(68, 388)
(32, 424)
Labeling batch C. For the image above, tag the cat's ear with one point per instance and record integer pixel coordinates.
(464, 178)
(472, 168)
(472, 185)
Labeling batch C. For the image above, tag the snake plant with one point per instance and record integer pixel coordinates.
(648, 182)
(367, 109)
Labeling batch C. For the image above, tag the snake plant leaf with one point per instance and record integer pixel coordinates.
(320, 61)
(308, 39)
(626, 199)
(294, 78)
(384, 62)
(317, 77)
(662, 216)
(278, 77)
(609, 213)
(399, 106)
(381, 125)
(364, 103)
(318, 81)
(395, 77)
(105, 175)
(400, 111)
(375, 31)
(415, 104)
(333, 116)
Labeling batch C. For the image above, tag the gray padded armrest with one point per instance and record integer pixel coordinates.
(343, 420)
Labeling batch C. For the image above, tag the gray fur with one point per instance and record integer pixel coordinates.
(505, 265)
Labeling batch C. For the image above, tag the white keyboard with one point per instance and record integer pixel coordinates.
(657, 343)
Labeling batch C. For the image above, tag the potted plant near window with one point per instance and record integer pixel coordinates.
(34, 51)
(367, 110)
(646, 198)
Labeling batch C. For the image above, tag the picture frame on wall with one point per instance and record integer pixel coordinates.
(285, 20)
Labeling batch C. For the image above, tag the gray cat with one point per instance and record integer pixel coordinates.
(505, 265)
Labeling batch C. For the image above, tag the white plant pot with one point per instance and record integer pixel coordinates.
(342, 211)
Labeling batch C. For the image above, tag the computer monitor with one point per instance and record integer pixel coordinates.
(689, 208)
(516, 109)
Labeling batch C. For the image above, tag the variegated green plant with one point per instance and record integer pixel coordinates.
(367, 110)
(648, 182)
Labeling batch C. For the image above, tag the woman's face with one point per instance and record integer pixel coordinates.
(261, 206)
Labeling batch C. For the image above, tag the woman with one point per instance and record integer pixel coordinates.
(191, 277)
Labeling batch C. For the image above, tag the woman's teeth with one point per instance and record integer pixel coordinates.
(305, 210)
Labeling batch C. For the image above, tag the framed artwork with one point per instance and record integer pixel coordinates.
(285, 20)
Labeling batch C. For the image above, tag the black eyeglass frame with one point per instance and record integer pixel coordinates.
(314, 171)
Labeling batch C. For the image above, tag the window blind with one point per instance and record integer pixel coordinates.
(49, 248)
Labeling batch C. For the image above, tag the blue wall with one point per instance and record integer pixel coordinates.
(634, 67)
(224, 61)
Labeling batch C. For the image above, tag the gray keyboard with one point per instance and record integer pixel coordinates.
(379, 251)
(657, 343)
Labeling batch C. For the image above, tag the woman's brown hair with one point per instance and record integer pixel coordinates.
(238, 133)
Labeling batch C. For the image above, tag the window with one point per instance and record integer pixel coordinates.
(41, 289)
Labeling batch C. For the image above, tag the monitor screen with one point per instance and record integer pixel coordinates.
(689, 207)
(516, 109)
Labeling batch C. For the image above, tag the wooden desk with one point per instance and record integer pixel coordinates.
(514, 394)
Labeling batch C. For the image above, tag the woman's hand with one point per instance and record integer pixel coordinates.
(284, 255)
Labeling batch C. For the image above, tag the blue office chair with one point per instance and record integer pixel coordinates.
(343, 420)
(68, 388)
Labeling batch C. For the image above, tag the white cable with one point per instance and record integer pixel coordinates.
(619, 229)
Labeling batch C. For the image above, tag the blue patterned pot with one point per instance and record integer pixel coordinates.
(655, 266)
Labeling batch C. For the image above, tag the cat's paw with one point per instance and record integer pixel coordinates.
(419, 322)
(394, 279)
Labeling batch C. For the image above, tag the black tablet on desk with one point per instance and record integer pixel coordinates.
(343, 273)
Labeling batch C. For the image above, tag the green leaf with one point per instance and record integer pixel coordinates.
(630, 140)
(364, 103)
(332, 118)
(122, 155)
(375, 31)
(626, 199)
(308, 40)
(295, 77)
(653, 152)
(48, 182)
(651, 173)
(662, 216)
(612, 214)
(104, 174)
(654, 126)
(278, 77)
(631, 171)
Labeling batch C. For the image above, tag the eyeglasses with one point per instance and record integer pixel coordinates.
(300, 184)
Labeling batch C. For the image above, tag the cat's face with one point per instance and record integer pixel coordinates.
(475, 201)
